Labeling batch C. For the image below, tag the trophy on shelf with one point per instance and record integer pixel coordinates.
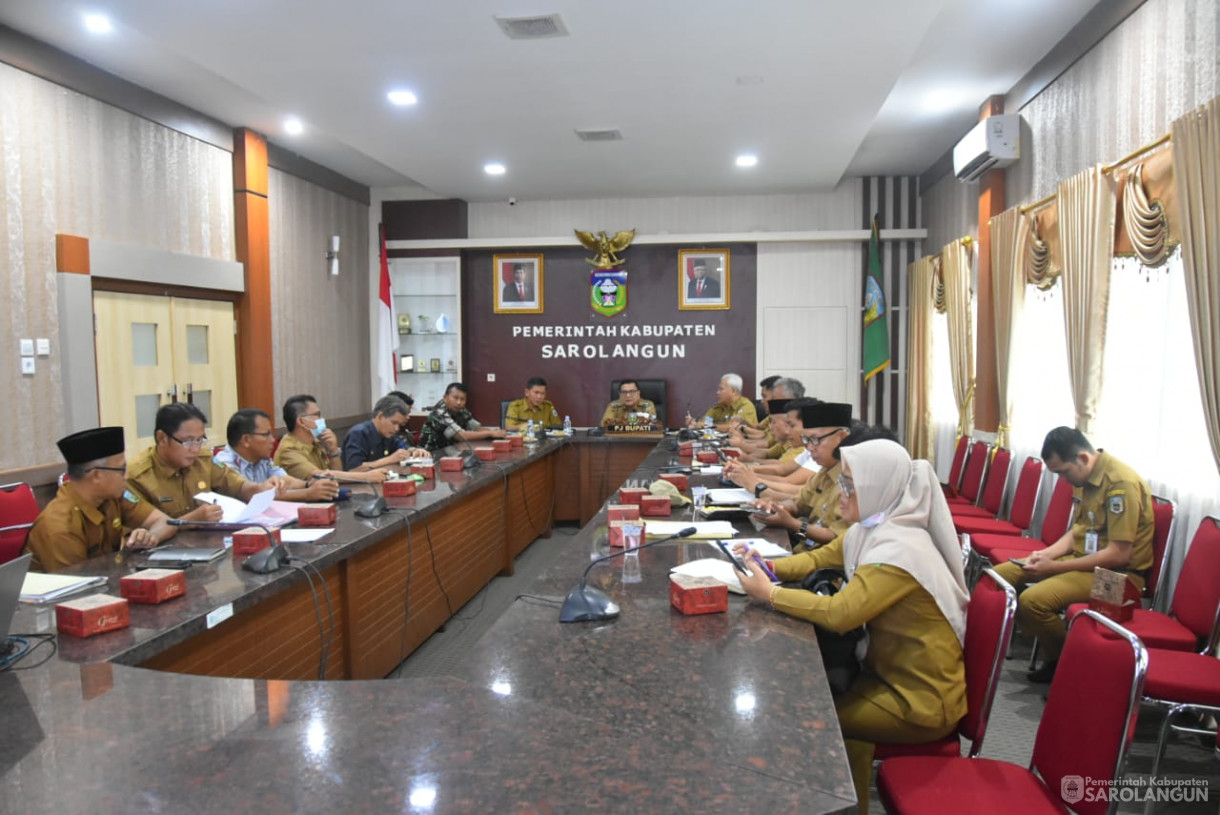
(404, 324)
(421, 367)
(436, 365)
(424, 327)
(450, 366)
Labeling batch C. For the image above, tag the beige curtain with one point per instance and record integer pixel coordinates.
(1009, 235)
(919, 360)
(1196, 164)
(1086, 232)
(955, 271)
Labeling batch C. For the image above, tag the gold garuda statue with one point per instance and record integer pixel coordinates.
(606, 247)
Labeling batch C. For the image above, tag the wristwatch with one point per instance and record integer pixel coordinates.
(759, 489)
(804, 527)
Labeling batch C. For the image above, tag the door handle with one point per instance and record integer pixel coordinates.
(172, 393)
(190, 394)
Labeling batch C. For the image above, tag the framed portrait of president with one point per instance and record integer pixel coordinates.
(704, 280)
(518, 282)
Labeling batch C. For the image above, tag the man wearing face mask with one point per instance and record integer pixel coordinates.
(309, 449)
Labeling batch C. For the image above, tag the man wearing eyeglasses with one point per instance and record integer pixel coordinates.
(248, 452)
(630, 409)
(309, 449)
(86, 518)
(813, 518)
(179, 466)
(731, 407)
(375, 443)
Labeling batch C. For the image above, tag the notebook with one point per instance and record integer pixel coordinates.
(185, 554)
(12, 575)
(51, 588)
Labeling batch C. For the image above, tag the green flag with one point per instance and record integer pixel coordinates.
(876, 333)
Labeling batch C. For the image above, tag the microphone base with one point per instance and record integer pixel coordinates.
(586, 604)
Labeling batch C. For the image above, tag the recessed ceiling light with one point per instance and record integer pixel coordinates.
(98, 24)
(402, 98)
(494, 168)
(747, 160)
(293, 126)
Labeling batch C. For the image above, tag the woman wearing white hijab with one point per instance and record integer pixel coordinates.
(905, 585)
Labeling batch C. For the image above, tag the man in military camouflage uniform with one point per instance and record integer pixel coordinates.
(450, 421)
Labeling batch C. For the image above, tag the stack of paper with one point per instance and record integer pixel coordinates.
(49, 588)
(716, 568)
(703, 529)
(258, 511)
(730, 496)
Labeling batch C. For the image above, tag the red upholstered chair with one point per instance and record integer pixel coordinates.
(972, 476)
(989, 624)
(1183, 683)
(959, 463)
(1085, 731)
(1020, 516)
(18, 510)
(992, 499)
(997, 548)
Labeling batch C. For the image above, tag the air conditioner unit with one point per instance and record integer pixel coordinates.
(993, 143)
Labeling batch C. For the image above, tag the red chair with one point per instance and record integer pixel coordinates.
(992, 500)
(989, 624)
(1193, 621)
(972, 477)
(997, 548)
(955, 469)
(1085, 731)
(18, 510)
(1020, 516)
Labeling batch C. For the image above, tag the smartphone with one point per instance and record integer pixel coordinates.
(736, 561)
(1017, 561)
(762, 512)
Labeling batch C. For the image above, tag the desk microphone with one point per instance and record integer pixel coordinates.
(584, 603)
(265, 562)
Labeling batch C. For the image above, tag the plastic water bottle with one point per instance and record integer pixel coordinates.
(529, 431)
(709, 427)
(567, 425)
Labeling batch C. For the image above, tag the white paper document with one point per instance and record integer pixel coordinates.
(303, 535)
(716, 568)
(47, 588)
(258, 511)
(703, 529)
(730, 496)
(764, 547)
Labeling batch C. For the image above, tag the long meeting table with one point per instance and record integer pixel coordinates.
(212, 701)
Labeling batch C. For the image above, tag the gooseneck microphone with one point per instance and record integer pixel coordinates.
(264, 562)
(584, 603)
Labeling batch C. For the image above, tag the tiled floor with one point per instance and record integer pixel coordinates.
(1010, 735)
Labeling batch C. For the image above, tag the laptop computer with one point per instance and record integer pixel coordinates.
(12, 575)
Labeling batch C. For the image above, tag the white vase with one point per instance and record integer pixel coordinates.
(442, 324)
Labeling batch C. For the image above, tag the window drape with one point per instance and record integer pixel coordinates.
(919, 361)
(1009, 234)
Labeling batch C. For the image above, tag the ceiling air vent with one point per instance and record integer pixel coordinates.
(532, 28)
(600, 135)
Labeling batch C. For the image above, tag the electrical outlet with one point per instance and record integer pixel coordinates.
(491, 377)
(27, 365)
(27, 348)
(44, 346)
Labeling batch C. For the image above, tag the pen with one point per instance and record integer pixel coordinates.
(763, 565)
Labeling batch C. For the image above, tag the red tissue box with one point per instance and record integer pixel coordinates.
(631, 495)
(153, 585)
(707, 456)
(517, 440)
(426, 470)
(485, 453)
(253, 539)
(317, 515)
(1119, 614)
(91, 615)
(615, 538)
(399, 488)
(655, 505)
(623, 512)
(686, 448)
(451, 464)
(501, 445)
(732, 452)
(697, 595)
(680, 481)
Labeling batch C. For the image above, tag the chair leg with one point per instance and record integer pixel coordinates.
(1162, 738)
(1033, 655)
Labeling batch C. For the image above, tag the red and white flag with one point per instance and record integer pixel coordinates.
(387, 327)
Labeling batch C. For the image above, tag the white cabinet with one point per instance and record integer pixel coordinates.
(428, 294)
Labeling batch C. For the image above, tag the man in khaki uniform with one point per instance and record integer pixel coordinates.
(730, 406)
(87, 516)
(629, 409)
(534, 406)
(178, 466)
(783, 477)
(309, 449)
(762, 439)
(1113, 529)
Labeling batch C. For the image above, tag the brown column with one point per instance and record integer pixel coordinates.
(991, 203)
(255, 387)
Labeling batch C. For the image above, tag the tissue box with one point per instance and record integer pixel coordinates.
(91, 615)
(501, 445)
(399, 488)
(517, 440)
(707, 456)
(253, 539)
(631, 495)
(485, 453)
(1117, 613)
(680, 481)
(451, 464)
(615, 537)
(732, 452)
(697, 595)
(153, 585)
(317, 515)
(426, 470)
(686, 448)
(623, 512)
(654, 506)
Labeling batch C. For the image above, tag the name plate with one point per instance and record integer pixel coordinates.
(630, 428)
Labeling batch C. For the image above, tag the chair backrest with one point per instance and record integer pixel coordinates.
(976, 469)
(1089, 718)
(1025, 497)
(1164, 513)
(989, 624)
(18, 511)
(959, 462)
(1196, 595)
(1058, 512)
(654, 390)
(504, 403)
(997, 480)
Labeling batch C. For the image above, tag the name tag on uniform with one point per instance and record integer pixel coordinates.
(1090, 542)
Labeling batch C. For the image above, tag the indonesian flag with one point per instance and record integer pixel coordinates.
(387, 326)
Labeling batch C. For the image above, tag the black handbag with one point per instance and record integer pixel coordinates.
(839, 658)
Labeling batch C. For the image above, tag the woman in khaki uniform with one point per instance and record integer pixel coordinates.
(905, 585)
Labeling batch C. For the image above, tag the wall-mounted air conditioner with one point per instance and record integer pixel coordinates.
(993, 143)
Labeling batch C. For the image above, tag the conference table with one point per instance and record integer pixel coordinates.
(213, 701)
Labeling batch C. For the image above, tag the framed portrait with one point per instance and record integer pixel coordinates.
(703, 279)
(518, 283)
(406, 363)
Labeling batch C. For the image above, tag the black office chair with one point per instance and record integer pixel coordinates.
(654, 390)
(504, 403)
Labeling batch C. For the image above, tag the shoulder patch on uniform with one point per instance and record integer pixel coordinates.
(1115, 503)
(128, 495)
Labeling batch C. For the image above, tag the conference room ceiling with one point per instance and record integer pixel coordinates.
(817, 90)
